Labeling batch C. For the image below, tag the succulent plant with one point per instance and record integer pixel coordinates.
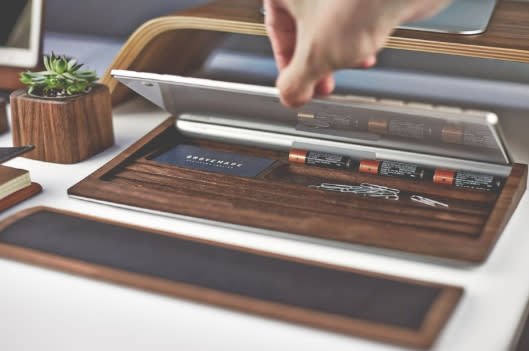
(62, 78)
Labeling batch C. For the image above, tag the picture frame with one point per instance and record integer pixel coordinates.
(21, 38)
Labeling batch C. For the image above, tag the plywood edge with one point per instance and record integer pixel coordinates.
(152, 29)
(438, 47)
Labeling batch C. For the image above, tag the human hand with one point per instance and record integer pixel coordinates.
(312, 39)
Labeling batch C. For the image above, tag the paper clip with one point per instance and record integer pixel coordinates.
(427, 201)
(364, 189)
(381, 187)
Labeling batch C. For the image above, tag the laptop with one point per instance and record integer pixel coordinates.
(372, 127)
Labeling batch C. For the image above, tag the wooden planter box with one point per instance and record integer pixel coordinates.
(66, 130)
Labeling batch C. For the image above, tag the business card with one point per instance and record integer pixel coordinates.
(215, 161)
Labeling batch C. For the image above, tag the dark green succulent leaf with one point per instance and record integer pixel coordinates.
(76, 67)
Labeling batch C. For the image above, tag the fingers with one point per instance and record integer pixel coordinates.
(281, 29)
(307, 52)
(326, 86)
(369, 62)
(297, 84)
(296, 92)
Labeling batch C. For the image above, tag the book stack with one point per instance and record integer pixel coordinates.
(15, 184)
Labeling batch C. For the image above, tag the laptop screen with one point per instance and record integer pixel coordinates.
(15, 24)
(461, 17)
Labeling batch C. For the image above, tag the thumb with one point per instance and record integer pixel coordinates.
(298, 80)
(301, 80)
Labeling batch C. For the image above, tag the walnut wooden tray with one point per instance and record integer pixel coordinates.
(280, 199)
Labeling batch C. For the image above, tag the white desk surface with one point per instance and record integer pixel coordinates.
(42, 309)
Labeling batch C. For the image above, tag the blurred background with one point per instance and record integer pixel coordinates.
(94, 31)
(118, 18)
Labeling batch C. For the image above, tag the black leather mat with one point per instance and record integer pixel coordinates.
(348, 294)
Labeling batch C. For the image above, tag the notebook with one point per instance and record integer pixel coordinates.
(15, 184)
(12, 180)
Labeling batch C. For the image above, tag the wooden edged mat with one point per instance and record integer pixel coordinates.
(381, 307)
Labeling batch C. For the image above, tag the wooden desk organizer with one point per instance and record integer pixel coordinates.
(279, 199)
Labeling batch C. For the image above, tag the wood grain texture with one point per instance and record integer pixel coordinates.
(20, 196)
(279, 199)
(185, 38)
(3, 116)
(423, 337)
(267, 194)
(66, 130)
(505, 205)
